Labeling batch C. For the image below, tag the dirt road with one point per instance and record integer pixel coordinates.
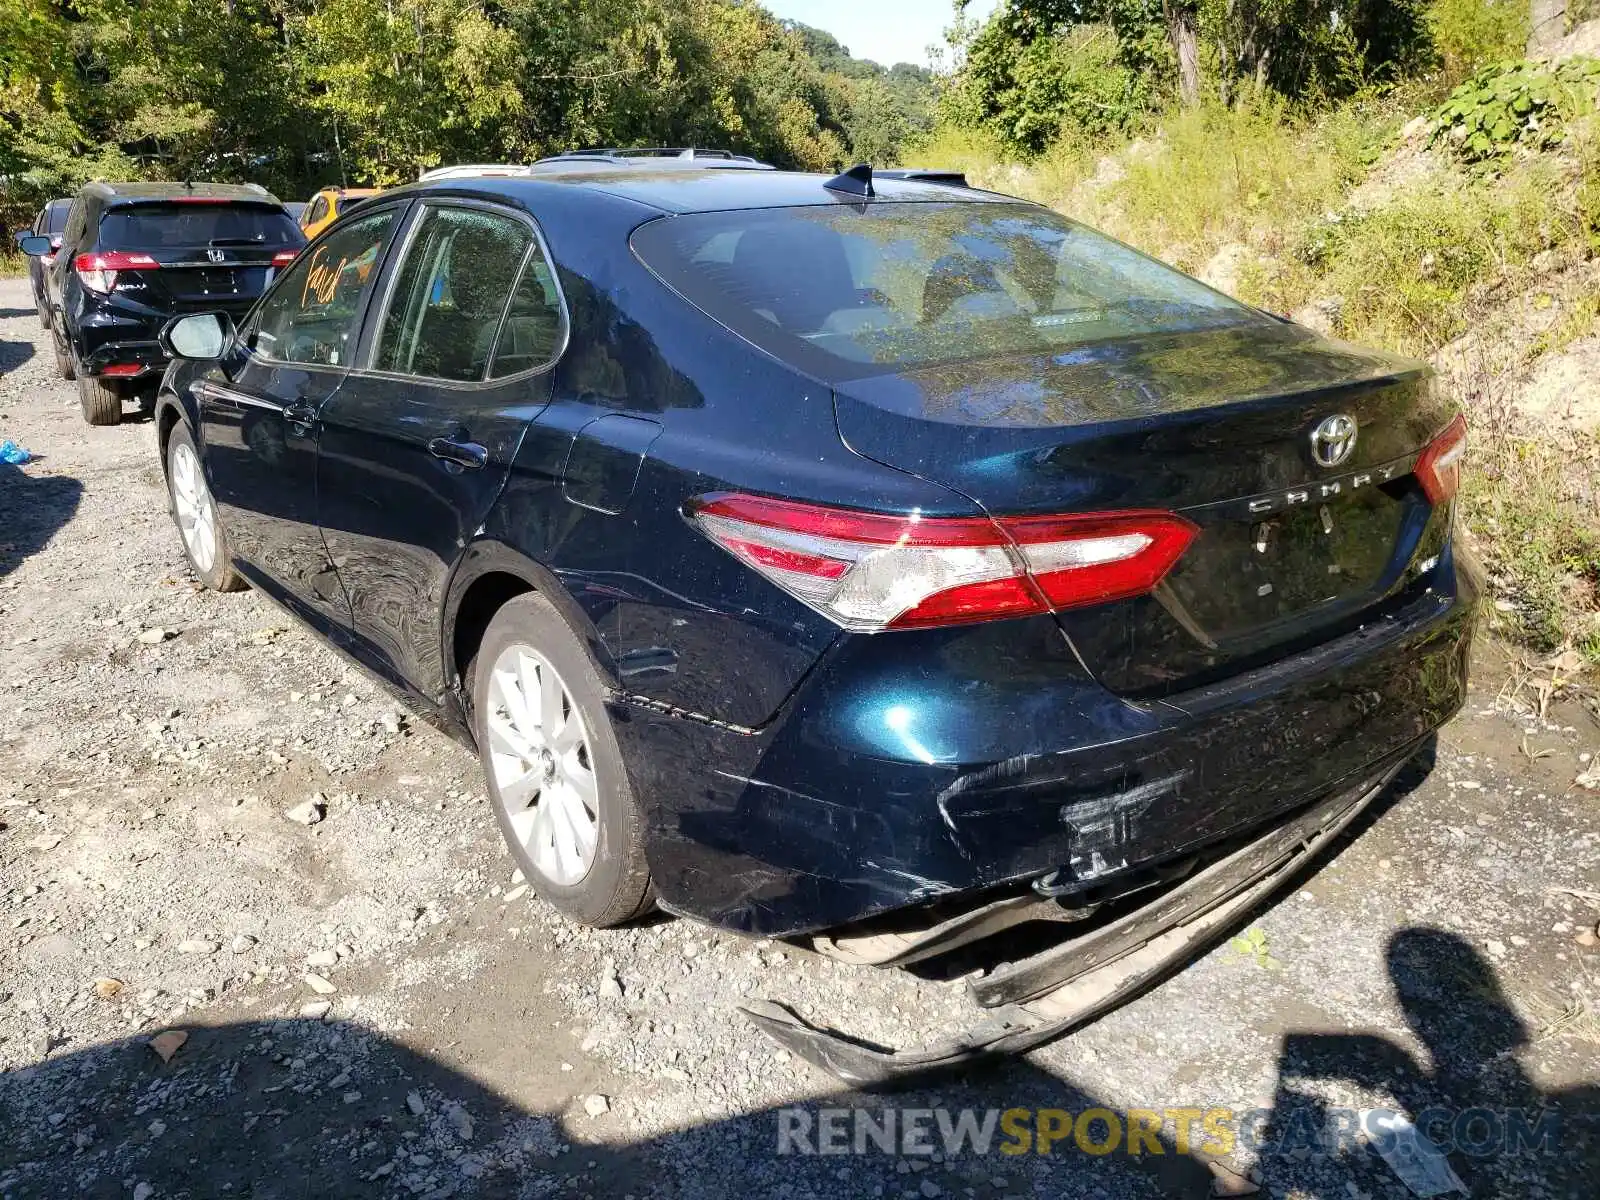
(153, 737)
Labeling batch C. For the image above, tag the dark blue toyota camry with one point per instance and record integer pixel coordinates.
(882, 561)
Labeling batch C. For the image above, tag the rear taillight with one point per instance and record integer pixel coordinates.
(1439, 467)
(873, 571)
(284, 257)
(121, 370)
(99, 271)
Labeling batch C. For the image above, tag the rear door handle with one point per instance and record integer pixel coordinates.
(468, 456)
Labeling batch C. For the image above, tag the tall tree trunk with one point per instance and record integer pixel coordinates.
(1181, 32)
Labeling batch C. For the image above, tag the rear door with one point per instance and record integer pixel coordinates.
(416, 445)
(261, 409)
(208, 255)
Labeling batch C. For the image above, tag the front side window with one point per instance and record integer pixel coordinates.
(854, 290)
(313, 313)
(450, 294)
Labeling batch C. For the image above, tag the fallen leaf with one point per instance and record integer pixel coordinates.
(106, 987)
(167, 1043)
(1591, 778)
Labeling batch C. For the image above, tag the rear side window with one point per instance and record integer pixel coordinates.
(531, 334)
(451, 293)
(54, 218)
(188, 224)
(853, 290)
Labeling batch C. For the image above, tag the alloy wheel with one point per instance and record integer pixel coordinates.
(197, 514)
(543, 770)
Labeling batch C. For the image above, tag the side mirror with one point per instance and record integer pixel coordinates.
(203, 336)
(34, 245)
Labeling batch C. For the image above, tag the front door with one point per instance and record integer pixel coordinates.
(417, 444)
(260, 410)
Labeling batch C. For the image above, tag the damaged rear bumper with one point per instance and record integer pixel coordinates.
(1072, 983)
(968, 766)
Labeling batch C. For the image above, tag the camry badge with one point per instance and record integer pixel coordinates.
(1334, 440)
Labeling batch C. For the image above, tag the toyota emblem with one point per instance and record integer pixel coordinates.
(1334, 440)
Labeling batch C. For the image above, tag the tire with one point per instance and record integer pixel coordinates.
(64, 367)
(101, 402)
(44, 313)
(188, 496)
(527, 638)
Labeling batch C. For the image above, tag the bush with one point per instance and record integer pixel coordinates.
(1470, 34)
(1523, 103)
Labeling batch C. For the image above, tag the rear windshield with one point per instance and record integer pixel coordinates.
(851, 290)
(154, 226)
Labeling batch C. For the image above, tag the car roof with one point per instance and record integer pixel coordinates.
(133, 193)
(695, 189)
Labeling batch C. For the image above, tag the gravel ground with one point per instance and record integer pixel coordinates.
(374, 1006)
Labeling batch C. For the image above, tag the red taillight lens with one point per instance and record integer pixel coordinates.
(284, 257)
(121, 370)
(99, 271)
(1439, 467)
(874, 571)
(1095, 557)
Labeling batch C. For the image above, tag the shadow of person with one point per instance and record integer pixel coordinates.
(1468, 1093)
(297, 1108)
(32, 508)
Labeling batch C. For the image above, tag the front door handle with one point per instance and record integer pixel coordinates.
(300, 416)
(467, 456)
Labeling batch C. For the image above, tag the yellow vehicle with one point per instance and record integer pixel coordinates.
(326, 206)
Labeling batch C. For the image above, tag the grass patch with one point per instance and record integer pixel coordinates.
(12, 264)
(1408, 273)
(1532, 502)
(1249, 174)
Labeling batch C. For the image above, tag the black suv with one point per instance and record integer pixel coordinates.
(132, 256)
